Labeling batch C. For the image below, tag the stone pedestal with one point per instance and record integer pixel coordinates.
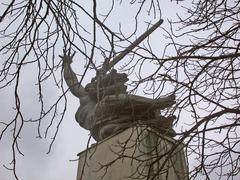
(136, 153)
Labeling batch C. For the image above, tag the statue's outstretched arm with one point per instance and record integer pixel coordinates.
(70, 77)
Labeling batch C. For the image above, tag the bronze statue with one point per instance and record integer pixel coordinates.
(105, 106)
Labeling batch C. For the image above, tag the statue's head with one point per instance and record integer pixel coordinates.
(107, 84)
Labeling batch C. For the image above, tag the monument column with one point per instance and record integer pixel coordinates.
(138, 152)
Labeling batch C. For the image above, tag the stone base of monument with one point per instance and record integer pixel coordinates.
(136, 153)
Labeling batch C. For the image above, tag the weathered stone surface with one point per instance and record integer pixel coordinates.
(138, 153)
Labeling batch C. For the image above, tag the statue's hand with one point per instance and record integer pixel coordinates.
(67, 57)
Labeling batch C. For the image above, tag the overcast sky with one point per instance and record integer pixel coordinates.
(71, 139)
